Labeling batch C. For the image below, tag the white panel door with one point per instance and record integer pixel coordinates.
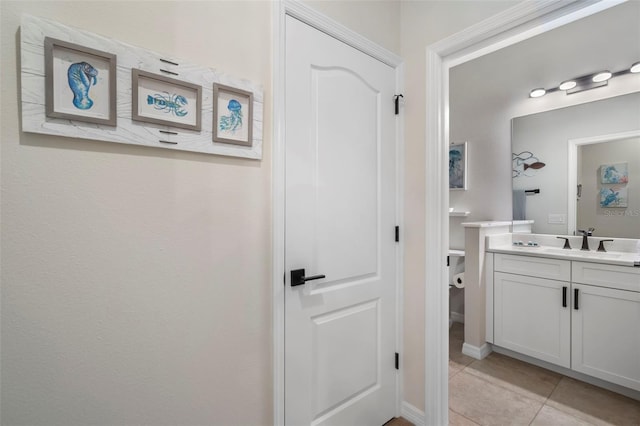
(606, 334)
(533, 317)
(340, 222)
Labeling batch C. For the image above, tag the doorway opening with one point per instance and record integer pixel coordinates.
(521, 22)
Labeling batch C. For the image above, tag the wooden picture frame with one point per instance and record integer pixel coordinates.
(159, 99)
(458, 167)
(232, 115)
(80, 83)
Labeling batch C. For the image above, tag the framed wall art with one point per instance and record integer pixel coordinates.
(159, 99)
(232, 115)
(614, 197)
(614, 173)
(80, 83)
(70, 90)
(458, 166)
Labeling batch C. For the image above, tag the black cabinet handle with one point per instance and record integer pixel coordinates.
(564, 296)
(575, 298)
(298, 278)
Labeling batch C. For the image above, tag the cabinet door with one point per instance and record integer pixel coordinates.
(530, 317)
(606, 334)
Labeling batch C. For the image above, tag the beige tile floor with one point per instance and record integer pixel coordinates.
(500, 390)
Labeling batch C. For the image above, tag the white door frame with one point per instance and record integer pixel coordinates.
(304, 13)
(520, 22)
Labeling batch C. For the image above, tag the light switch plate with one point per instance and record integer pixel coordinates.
(557, 218)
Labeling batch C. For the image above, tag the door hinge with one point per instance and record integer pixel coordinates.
(397, 361)
(397, 234)
(397, 102)
(447, 260)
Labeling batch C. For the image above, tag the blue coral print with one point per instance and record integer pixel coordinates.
(616, 173)
(81, 76)
(233, 121)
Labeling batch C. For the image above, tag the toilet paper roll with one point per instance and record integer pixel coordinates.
(458, 280)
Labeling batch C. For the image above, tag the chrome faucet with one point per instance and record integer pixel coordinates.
(585, 241)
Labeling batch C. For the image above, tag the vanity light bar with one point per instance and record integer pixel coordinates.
(586, 82)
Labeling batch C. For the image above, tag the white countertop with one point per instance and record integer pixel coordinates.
(503, 243)
(610, 258)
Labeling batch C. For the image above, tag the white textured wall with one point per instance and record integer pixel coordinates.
(377, 20)
(423, 23)
(136, 281)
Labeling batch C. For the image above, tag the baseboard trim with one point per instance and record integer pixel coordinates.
(411, 413)
(476, 352)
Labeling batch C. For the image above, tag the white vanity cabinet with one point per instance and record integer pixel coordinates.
(579, 315)
(532, 314)
(605, 329)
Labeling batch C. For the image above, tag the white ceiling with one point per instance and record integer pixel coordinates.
(607, 40)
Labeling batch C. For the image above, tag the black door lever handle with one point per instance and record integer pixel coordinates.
(298, 278)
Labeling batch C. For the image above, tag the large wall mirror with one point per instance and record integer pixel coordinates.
(579, 167)
(510, 134)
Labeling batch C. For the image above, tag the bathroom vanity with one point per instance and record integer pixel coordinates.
(575, 309)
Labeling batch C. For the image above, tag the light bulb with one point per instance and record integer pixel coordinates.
(566, 85)
(536, 93)
(601, 76)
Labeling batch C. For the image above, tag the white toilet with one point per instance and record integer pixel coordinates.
(456, 275)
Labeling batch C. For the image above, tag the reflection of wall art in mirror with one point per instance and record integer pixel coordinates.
(609, 134)
(614, 173)
(613, 197)
(162, 100)
(80, 83)
(525, 164)
(232, 115)
(458, 166)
